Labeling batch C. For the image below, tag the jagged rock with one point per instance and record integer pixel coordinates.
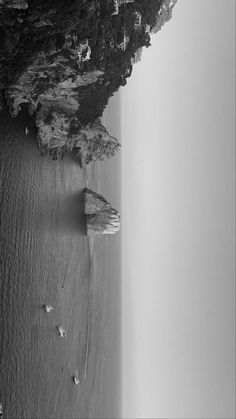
(164, 15)
(59, 129)
(101, 218)
(93, 202)
(62, 134)
(66, 59)
(56, 107)
(49, 87)
(95, 143)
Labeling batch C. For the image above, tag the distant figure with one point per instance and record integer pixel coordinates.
(61, 331)
(76, 378)
(48, 308)
(26, 130)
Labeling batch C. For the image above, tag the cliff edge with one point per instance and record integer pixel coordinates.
(64, 59)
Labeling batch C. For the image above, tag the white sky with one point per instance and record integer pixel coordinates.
(178, 180)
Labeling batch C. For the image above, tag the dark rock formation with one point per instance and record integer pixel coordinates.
(164, 14)
(101, 218)
(92, 141)
(65, 58)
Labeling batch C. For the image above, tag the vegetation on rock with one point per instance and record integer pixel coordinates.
(66, 58)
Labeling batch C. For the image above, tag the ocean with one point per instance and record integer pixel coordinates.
(46, 258)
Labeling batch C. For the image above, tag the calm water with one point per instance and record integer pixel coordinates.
(45, 258)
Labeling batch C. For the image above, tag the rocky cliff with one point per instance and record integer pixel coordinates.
(92, 141)
(101, 218)
(164, 14)
(65, 58)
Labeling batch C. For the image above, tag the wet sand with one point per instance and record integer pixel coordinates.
(45, 258)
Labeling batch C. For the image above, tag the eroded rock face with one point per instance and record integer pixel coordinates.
(62, 134)
(93, 202)
(66, 58)
(95, 142)
(101, 218)
(164, 14)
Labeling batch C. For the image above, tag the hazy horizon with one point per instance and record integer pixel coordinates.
(178, 266)
(148, 313)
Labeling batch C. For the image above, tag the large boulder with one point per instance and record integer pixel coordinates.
(101, 218)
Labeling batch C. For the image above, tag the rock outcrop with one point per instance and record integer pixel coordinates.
(92, 141)
(164, 14)
(66, 58)
(95, 143)
(101, 218)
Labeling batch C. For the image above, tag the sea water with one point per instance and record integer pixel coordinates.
(46, 258)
